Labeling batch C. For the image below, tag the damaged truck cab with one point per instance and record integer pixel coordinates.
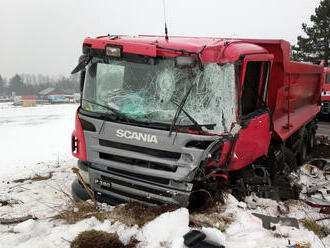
(162, 118)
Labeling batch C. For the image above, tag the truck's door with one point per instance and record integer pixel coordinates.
(254, 137)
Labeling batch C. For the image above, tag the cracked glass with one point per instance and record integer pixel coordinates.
(152, 92)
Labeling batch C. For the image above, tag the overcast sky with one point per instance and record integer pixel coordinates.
(45, 36)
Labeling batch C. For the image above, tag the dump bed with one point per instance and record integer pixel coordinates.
(294, 89)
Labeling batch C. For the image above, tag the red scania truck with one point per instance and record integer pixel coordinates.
(163, 118)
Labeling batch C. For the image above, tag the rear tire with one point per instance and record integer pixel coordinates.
(311, 139)
(290, 161)
(281, 186)
(303, 153)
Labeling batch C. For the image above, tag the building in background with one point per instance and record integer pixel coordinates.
(44, 94)
(25, 100)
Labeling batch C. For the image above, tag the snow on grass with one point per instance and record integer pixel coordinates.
(36, 142)
(33, 135)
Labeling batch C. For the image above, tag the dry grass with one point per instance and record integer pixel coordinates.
(134, 213)
(10, 202)
(12, 231)
(211, 214)
(99, 239)
(215, 203)
(79, 210)
(319, 230)
(131, 214)
(214, 220)
(35, 178)
(279, 235)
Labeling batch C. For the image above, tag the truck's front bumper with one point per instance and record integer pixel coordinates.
(115, 188)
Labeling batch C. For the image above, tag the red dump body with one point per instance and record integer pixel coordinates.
(294, 89)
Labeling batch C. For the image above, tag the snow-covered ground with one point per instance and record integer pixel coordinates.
(36, 141)
(32, 135)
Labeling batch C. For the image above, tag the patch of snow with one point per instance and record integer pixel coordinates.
(167, 228)
(32, 135)
(215, 235)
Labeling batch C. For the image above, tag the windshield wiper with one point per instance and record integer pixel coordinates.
(115, 111)
(178, 111)
(198, 126)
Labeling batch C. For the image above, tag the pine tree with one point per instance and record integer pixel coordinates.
(16, 85)
(2, 86)
(316, 46)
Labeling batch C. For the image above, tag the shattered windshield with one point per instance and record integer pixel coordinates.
(151, 93)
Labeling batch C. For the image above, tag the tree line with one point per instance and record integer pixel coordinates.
(31, 84)
(315, 45)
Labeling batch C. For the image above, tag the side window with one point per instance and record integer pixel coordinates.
(328, 79)
(251, 87)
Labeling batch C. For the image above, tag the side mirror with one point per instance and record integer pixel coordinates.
(82, 58)
(82, 80)
(83, 61)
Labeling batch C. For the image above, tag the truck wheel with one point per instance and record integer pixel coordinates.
(290, 160)
(303, 154)
(311, 140)
(282, 189)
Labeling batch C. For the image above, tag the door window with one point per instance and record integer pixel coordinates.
(251, 87)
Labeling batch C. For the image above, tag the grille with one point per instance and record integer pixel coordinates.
(144, 150)
(140, 177)
(138, 162)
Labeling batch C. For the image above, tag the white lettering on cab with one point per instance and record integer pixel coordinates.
(150, 138)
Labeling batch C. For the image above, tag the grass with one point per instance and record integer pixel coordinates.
(35, 178)
(79, 210)
(313, 226)
(214, 220)
(99, 239)
(9, 202)
(279, 235)
(135, 213)
(210, 214)
(131, 214)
